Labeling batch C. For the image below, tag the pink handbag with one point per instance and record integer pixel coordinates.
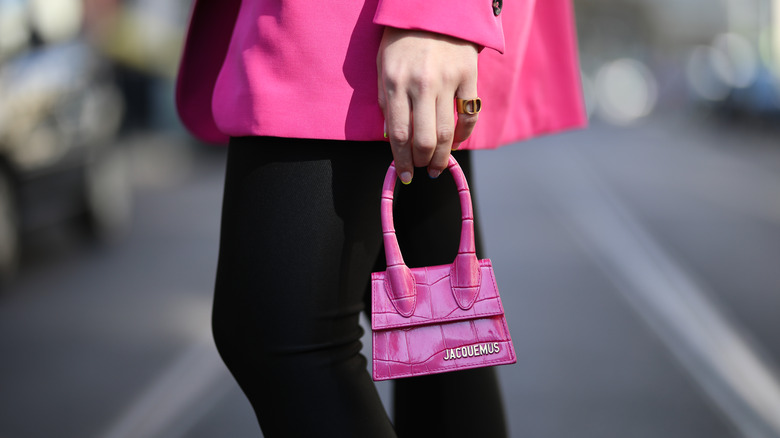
(440, 318)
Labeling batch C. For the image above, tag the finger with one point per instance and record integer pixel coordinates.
(445, 127)
(466, 122)
(380, 87)
(398, 122)
(424, 128)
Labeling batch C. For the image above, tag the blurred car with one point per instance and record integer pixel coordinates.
(60, 112)
(734, 76)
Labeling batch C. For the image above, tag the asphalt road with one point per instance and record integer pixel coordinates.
(638, 268)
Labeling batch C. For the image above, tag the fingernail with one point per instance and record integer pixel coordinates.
(433, 174)
(384, 129)
(406, 178)
(455, 146)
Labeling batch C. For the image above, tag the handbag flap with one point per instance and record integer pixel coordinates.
(435, 300)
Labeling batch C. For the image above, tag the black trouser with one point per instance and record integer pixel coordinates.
(300, 236)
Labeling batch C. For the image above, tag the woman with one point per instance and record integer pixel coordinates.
(308, 95)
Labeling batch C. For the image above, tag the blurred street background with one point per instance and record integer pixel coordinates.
(638, 260)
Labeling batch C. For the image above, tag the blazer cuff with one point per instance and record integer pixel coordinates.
(470, 20)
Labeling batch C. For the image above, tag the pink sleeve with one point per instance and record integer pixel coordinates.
(470, 20)
(206, 43)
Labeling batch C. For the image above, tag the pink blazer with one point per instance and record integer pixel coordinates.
(307, 69)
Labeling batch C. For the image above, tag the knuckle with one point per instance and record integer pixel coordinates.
(399, 136)
(422, 82)
(449, 76)
(470, 74)
(391, 79)
(469, 121)
(390, 86)
(424, 146)
(439, 165)
(468, 71)
(402, 157)
(402, 164)
(445, 135)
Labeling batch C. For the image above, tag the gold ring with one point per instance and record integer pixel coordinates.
(468, 106)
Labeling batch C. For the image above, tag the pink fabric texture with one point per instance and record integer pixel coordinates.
(293, 68)
(439, 318)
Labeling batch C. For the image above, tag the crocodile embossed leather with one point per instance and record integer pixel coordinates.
(440, 318)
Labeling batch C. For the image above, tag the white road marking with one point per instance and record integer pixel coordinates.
(183, 392)
(714, 349)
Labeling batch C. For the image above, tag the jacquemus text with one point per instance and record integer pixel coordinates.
(471, 351)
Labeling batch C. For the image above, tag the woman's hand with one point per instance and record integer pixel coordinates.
(420, 74)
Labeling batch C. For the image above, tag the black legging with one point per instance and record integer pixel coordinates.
(300, 236)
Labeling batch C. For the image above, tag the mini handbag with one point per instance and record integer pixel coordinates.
(441, 318)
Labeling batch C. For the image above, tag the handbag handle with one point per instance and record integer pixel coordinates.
(465, 273)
